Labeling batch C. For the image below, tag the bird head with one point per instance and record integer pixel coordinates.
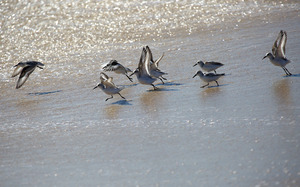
(200, 63)
(267, 55)
(198, 73)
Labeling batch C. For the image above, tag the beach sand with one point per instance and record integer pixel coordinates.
(57, 131)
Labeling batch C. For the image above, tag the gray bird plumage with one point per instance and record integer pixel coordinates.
(25, 69)
(277, 57)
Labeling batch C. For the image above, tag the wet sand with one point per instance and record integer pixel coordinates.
(60, 132)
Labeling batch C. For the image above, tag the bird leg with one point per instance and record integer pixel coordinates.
(205, 85)
(129, 78)
(121, 96)
(161, 80)
(217, 83)
(155, 88)
(109, 98)
(286, 71)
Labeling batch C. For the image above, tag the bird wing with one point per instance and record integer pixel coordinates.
(24, 75)
(103, 77)
(109, 83)
(146, 66)
(17, 70)
(152, 62)
(275, 45)
(142, 60)
(110, 67)
(282, 43)
(150, 54)
(106, 80)
(158, 60)
(210, 75)
(278, 48)
(215, 63)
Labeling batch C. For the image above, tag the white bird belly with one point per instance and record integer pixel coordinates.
(156, 73)
(145, 79)
(280, 62)
(209, 79)
(111, 91)
(120, 71)
(208, 67)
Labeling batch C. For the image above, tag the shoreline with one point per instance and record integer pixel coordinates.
(56, 130)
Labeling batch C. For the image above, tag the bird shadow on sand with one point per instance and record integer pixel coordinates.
(128, 86)
(169, 84)
(293, 75)
(162, 90)
(122, 102)
(44, 93)
(216, 86)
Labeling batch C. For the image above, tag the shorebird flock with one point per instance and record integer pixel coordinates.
(148, 71)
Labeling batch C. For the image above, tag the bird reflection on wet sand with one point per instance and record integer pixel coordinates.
(152, 100)
(213, 91)
(112, 111)
(281, 91)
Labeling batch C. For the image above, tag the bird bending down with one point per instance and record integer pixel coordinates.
(277, 57)
(107, 86)
(143, 71)
(118, 68)
(208, 77)
(209, 66)
(25, 69)
(154, 70)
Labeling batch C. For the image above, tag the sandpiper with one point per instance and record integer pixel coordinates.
(25, 69)
(118, 68)
(154, 70)
(107, 86)
(143, 71)
(277, 57)
(209, 66)
(208, 77)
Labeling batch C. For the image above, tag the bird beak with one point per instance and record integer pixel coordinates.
(264, 57)
(95, 87)
(195, 65)
(195, 75)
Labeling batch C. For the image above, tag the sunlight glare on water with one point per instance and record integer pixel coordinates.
(62, 32)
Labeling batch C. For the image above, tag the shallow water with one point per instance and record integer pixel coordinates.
(57, 131)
